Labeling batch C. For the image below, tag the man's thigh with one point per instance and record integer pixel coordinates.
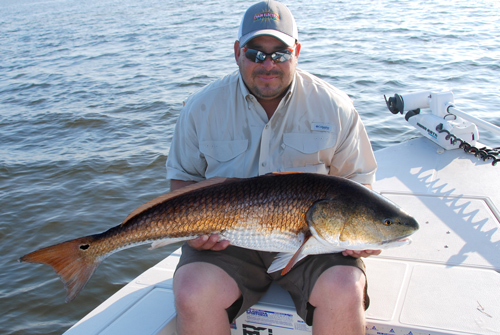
(301, 279)
(244, 266)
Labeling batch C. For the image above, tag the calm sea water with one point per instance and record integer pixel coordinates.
(90, 92)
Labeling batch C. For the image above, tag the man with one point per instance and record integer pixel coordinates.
(268, 117)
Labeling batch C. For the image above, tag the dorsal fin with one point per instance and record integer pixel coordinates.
(286, 172)
(170, 195)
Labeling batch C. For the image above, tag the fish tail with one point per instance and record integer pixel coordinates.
(71, 261)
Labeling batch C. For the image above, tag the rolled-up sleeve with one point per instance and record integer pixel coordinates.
(185, 161)
(354, 158)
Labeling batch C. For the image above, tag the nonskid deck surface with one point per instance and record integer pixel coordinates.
(446, 282)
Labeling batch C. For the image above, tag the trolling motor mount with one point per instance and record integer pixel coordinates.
(439, 123)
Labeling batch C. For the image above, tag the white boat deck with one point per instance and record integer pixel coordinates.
(446, 282)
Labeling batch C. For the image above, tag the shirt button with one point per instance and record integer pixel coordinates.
(263, 164)
(267, 126)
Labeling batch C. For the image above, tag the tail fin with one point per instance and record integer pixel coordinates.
(72, 262)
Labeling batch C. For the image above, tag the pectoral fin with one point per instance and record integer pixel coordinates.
(286, 261)
(297, 256)
(280, 262)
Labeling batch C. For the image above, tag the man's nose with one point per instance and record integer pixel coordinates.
(268, 63)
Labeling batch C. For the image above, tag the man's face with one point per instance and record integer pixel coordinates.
(266, 80)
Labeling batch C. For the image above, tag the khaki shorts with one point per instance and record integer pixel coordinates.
(249, 269)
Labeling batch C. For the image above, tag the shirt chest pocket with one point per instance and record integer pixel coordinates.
(222, 151)
(310, 152)
(309, 143)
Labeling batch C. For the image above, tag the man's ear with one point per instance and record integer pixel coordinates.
(237, 51)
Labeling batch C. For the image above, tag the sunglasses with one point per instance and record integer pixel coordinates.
(258, 56)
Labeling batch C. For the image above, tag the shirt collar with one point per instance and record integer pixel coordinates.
(244, 90)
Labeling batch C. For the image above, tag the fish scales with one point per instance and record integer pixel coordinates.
(267, 203)
(270, 213)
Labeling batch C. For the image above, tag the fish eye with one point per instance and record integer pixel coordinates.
(388, 222)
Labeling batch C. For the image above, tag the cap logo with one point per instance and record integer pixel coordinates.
(266, 15)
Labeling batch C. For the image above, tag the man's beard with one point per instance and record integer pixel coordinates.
(264, 92)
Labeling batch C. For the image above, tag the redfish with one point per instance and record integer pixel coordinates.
(295, 214)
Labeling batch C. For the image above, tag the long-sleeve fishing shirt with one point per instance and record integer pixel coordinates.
(224, 131)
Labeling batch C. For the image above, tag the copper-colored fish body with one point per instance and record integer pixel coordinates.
(268, 213)
(265, 204)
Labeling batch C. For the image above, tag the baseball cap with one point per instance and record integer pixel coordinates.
(270, 18)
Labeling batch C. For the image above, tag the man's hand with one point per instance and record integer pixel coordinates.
(361, 253)
(206, 242)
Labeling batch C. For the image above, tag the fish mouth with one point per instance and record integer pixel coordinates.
(404, 239)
